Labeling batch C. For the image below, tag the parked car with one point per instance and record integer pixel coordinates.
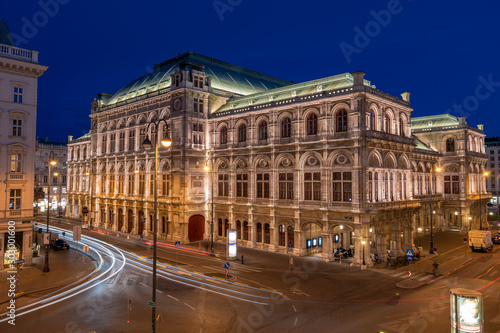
(59, 244)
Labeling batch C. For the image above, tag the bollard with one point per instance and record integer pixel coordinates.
(242, 259)
(436, 271)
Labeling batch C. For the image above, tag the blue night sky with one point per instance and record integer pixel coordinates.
(444, 52)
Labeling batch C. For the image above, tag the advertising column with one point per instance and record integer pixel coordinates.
(466, 308)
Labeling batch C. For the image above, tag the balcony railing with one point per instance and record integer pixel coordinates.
(16, 176)
(17, 53)
(13, 213)
(390, 205)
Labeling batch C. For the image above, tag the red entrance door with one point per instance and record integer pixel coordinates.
(196, 228)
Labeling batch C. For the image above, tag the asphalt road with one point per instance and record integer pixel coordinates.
(264, 295)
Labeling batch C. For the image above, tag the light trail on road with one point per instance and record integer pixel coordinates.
(98, 247)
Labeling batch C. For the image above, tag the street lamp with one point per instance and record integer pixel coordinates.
(166, 142)
(52, 162)
(207, 168)
(485, 174)
(438, 169)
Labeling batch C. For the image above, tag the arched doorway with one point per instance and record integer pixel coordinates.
(120, 219)
(342, 236)
(313, 238)
(130, 221)
(196, 228)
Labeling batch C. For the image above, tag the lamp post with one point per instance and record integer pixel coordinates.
(485, 174)
(52, 161)
(147, 144)
(207, 168)
(438, 169)
(363, 243)
(59, 205)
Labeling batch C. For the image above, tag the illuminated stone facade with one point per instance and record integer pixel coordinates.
(19, 73)
(313, 165)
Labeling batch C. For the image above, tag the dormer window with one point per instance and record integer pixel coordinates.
(177, 79)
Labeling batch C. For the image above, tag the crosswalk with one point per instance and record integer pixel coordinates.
(216, 269)
(419, 276)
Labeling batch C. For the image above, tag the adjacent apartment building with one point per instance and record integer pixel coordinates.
(19, 73)
(301, 167)
(57, 200)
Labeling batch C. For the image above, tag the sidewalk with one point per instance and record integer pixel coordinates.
(65, 267)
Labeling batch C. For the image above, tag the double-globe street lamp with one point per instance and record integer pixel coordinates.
(438, 169)
(52, 162)
(166, 142)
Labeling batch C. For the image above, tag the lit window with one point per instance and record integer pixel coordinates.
(15, 162)
(15, 199)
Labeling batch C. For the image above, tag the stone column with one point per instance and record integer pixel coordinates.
(326, 254)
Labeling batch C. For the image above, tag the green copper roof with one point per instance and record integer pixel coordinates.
(422, 146)
(439, 120)
(292, 91)
(5, 36)
(225, 76)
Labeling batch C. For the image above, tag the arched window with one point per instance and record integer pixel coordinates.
(223, 135)
(267, 233)
(282, 239)
(220, 227)
(312, 124)
(290, 236)
(401, 126)
(341, 120)
(242, 133)
(259, 232)
(245, 230)
(387, 123)
(450, 145)
(226, 227)
(286, 128)
(238, 229)
(263, 130)
(372, 120)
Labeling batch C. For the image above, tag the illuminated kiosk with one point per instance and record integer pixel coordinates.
(466, 308)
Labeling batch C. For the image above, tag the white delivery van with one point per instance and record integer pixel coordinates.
(480, 240)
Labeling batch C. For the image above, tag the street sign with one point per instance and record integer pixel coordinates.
(143, 219)
(409, 273)
(410, 258)
(46, 238)
(409, 253)
(151, 304)
(465, 240)
(20, 261)
(290, 247)
(434, 250)
(177, 244)
(227, 271)
(226, 265)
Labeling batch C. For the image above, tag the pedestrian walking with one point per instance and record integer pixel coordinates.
(436, 271)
